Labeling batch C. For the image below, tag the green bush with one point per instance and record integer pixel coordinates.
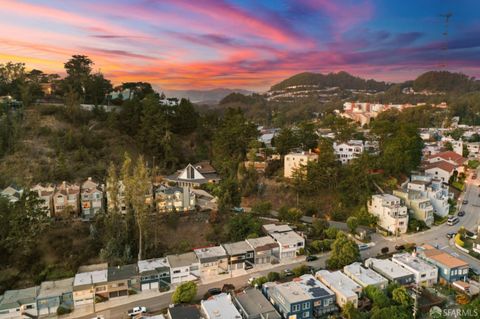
(459, 241)
(63, 310)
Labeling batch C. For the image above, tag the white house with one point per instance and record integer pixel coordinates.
(19, 303)
(184, 267)
(425, 273)
(219, 306)
(348, 151)
(392, 215)
(45, 193)
(365, 276)
(213, 260)
(345, 289)
(290, 243)
(442, 170)
(195, 175)
(297, 161)
(435, 190)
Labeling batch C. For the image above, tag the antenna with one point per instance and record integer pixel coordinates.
(447, 17)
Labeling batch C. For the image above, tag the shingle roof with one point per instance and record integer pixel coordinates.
(443, 165)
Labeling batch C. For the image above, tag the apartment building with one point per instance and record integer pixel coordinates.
(296, 162)
(425, 274)
(390, 270)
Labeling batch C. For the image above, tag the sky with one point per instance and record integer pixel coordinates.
(250, 44)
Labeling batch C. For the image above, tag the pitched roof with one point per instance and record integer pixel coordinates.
(443, 165)
(450, 156)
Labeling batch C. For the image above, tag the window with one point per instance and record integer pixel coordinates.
(306, 314)
(295, 308)
(249, 255)
(306, 305)
(176, 271)
(327, 302)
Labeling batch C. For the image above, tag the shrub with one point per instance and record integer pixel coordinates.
(459, 241)
(63, 310)
(273, 276)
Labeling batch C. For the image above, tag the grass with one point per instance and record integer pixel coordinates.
(473, 164)
(459, 185)
(437, 220)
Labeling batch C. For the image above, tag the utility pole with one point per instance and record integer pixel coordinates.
(93, 290)
(447, 17)
(417, 292)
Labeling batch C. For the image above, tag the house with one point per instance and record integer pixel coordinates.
(448, 156)
(290, 244)
(12, 193)
(204, 200)
(91, 198)
(450, 268)
(435, 190)
(19, 303)
(274, 228)
(55, 294)
(365, 276)
(442, 170)
(90, 281)
(265, 249)
(252, 304)
(347, 151)
(154, 274)
(184, 267)
(426, 275)
(66, 200)
(174, 199)
(297, 161)
(195, 175)
(303, 297)
(213, 260)
(45, 193)
(184, 312)
(121, 279)
(392, 215)
(419, 206)
(219, 306)
(390, 270)
(119, 202)
(240, 255)
(345, 289)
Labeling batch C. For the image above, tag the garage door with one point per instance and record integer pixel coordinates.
(150, 286)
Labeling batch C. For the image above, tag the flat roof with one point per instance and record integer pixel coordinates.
(184, 312)
(55, 288)
(273, 228)
(442, 257)
(287, 238)
(292, 292)
(91, 277)
(237, 248)
(254, 303)
(388, 267)
(122, 272)
(261, 241)
(210, 252)
(413, 262)
(89, 268)
(363, 276)
(339, 281)
(15, 298)
(220, 306)
(387, 197)
(152, 264)
(182, 260)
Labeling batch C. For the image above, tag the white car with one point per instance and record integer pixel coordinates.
(137, 310)
(99, 317)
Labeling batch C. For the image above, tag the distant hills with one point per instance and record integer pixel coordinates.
(205, 96)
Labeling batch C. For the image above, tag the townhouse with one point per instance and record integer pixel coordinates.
(55, 294)
(121, 279)
(45, 193)
(212, 261)
(296, 162)
(240, 255)
(425, 274)
(265, 249)
(435, 190)
(450, 268)
(66, 200)
(91, 199)
(184, 267)
(174, 199)
(347, 151)
(290, 243)
(390, 270)
(12, 193)
(19, 303)
(345, 289)
(392, 215)
(442, 170)
(195, 175)
(154, 274)
(90, 281)
(419, 206)
(219, 306)
(365, 276)
(303, 297)
(252, 304)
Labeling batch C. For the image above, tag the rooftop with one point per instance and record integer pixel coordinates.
(182, 260)
(413, 262)
(89, 278)
(364, 276)
(442, 257)
(340, 282)
(55, 288)
(15, 298)
(210, 252)
(237, 248)
(287, 238)
(388, 267)
(152, 264)
(122, 272)
(443, 165)
(184, 312)
(88, 268)
(255, 304)
(220, 306)
(261, 242)
(273, 228)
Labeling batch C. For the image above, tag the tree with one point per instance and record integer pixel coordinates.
(96, 88)
(285, 140)
(471, 310)
(352, 223)
(319, 226)
(229, 194)
(292, 215)
(273, 276)
(344, 252)
(78, 69)
(401, 297)
(242, 226)
(331, 232)
(349, 311)
(377, 296)
(185, 293)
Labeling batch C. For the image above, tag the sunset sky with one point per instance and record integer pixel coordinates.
(201, 44)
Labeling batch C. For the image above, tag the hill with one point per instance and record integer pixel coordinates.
(204, 96)
(444, 81)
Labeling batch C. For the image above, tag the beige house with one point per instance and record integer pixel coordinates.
(90, 281)
(296, 161)
(91, 198)
(66, 201)
(45, 193)
(392, 215)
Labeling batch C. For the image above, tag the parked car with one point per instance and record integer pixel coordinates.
(399, 247)
(461, 213)
(98, 317)
(251, 280)
(465, 202)
(311, 258)
(384, 250)
(452, 220)
(238, 210)
(288, 272)
(228, 288)
(363, 246)
(451, 234)
(136, 311)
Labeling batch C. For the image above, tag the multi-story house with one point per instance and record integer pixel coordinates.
(55, 294)
(442, 170)
(296, 162)
(426, 275)
(45, 193)
(390, 270)
(66, 201)
(252, 304)
(392, 215)
(121, 279)
(219, 306)
(435, 190)
(90, 281)
(240, 255)
(345, 289)
(19, 303)
(304, 297)
(365, 276)
(12, 193)
(154, 274)
(121, 204)
(91, 198)
(450, 268)
(174, 199)
(213, 261)
(195, 175)
(419, 206)
(347, 151)
(265, 249)
(290, 243)
(184, 267)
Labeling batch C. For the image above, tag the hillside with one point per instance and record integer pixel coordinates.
(204, 96)
(444, 81)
